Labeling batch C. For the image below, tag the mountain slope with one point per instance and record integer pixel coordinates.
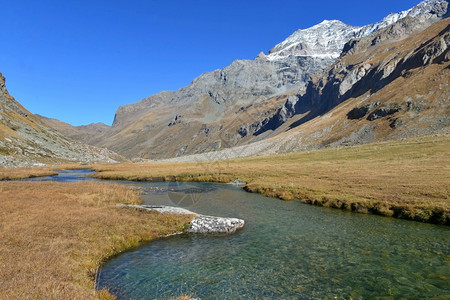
(356, 73)
(25, 140)
(251, 100)
(87, 134)
(399, 88)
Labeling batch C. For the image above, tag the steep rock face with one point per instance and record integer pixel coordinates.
(27, 141)
(127, 113)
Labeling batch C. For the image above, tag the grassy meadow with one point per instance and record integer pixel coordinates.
(20, 173)
(56, 235)
(406, 179)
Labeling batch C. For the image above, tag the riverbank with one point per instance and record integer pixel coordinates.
(56, 235)
(21, 173)
(405, 179)
(33, 172)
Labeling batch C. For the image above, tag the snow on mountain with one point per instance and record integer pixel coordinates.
(322, 40)
(214, 111)
(329, 37)
(426, 8)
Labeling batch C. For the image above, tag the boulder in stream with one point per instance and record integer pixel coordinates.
(200, 223)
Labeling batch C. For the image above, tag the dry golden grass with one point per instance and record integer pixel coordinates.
(408, 179)
(56, 235)
(32, 172)
(20, 173)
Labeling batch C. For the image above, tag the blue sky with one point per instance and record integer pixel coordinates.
(79, 60)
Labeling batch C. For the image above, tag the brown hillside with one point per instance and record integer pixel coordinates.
(26, 141)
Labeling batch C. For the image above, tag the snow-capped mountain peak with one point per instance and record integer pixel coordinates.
(327, 38)
(425, 8)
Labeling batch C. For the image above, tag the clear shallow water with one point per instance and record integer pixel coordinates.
(287, 250)
(66, 176)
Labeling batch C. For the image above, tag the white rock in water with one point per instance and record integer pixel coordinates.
(215, 225)
(200, 224)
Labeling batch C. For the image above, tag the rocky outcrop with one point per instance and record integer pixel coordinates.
(360, 112)
(383, 112)
(200, 224)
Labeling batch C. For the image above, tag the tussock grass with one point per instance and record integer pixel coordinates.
(406, 179)
(56, 235)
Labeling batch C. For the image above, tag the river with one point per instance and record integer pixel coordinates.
(287, 250)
